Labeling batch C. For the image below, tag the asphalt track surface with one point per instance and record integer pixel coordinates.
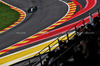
(10, 35)
(49, 11)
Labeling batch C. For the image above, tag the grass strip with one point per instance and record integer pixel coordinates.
(7, 16)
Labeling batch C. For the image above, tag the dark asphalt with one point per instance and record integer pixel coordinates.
(49, 11)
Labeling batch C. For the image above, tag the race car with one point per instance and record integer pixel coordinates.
(32, 9)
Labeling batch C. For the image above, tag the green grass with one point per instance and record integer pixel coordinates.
(7, 16)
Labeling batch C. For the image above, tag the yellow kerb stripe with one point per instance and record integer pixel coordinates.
(67, 17)
(2, 53)
(12, 47)
(62, 20)
(50, 28)
(33, 37)
(22, 42)
(72, 11)
(7, 28)
(12, 25)
(1, 31)
(42, 32)
(22, 15)
(17, 22)
(73, 6)
(70, 14)
(57, 23)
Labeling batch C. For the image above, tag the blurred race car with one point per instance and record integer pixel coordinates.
(32, 9)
